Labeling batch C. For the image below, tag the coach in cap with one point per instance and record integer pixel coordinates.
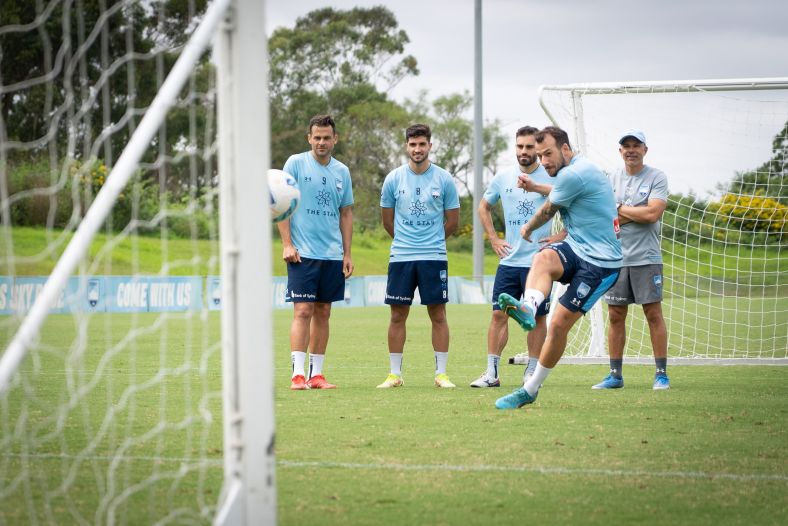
(641, 196)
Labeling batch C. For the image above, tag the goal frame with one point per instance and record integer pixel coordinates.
(597, 349)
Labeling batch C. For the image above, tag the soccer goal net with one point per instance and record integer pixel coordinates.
(722, 145)
(136, 380)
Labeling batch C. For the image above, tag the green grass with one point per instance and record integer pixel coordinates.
(712, 450)
(689, 269)
(148, 255)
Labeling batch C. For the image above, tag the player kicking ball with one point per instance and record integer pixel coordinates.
(587, 261)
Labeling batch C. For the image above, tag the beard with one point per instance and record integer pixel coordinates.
(417, 158)
(526, 160)
(557, 167)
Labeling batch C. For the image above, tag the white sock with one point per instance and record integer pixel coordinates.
(529, 370)
(533, 298)
(396, 363)
(297, 358)
(536, 379)
(440, 362)
(316, 364)
(492, 365)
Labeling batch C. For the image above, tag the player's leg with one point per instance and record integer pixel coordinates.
(318, 341)
(433, 282)
(331, 287)
(302, 281)
(618, 299)
(535, 341)
(400, 286)
(396, 342)
(536, 338)
(440, 343)
(547, 266)
(587, 283)
(398, 328)
(506, 280)
(647, 287)
(299, 343)
(616, 341)
(659, 343)
(497, 337)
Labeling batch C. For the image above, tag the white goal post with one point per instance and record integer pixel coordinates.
(722, 144)
(128, 404)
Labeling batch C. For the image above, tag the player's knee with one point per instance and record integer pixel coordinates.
(616, 318)
(322, 311)
(438, 317)
(654, 318)
(616, 315)
(303, 311)
(398, 316)
(499, 318)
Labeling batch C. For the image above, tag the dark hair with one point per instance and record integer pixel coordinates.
(526, 130)
(418, 130)
(556, 133)
(322, 121)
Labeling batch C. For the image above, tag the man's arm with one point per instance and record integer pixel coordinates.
(387, 216)
(545, 213)
(651, 213)
(346, 229)
(451, 221)
(289, 251)
(499, 246)
(529, 185)
(553, 238)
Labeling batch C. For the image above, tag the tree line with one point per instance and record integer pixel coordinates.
(76, 86)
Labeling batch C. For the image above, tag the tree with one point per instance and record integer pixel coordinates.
(331, 61)
(453, 137)
(77, 82)
(769, 180)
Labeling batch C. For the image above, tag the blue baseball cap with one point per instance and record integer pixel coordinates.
(635, 134)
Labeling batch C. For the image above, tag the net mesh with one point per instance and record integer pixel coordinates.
(115, 414)
(725, 229)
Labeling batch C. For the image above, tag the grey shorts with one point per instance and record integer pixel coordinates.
(641, 285)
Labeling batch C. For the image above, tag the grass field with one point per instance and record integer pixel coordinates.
(712, 450)
(690, 270)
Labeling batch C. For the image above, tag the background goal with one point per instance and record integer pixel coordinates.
(723, 145)
(136, 384)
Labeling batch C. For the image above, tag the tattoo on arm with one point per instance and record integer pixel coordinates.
(547, 212)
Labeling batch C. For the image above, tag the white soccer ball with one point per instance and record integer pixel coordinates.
(285, 194)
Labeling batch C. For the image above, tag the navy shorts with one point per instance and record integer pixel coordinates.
(587, 282)
(432, 278)
(315, 280)
(511, 280)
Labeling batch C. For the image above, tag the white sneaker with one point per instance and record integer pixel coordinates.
(392, 380)
(486, 381)
(442, 380)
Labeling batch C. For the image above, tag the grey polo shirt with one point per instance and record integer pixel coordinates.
(640, 242)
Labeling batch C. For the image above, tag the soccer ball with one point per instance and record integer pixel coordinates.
(285, 194)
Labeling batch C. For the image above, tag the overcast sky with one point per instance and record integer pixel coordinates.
(528, 43)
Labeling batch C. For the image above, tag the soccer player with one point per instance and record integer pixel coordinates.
(641, 196)
(522, 191)
(316, 246)
(588, 260)
(420, 208)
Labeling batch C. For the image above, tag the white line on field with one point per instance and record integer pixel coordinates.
(542, 470)
(535, 469)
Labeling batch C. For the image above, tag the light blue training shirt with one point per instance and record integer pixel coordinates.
(419, 202)
(314, 227)
(519, 207)
(588, 210)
